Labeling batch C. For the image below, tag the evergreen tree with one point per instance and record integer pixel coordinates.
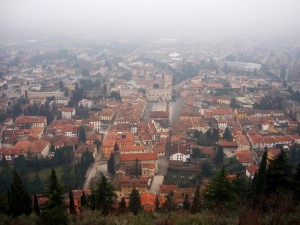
(186, 202)
(206, 169)
(81, 134)
(37, 185)
(219, 157)
(93, 201)
(296, 183)
(20, 200)
(54, 212)
(157, 203)
(36, 205)
(105, 196)
(219, 192)
(259, 182)
(135, 202)
(122, 205)
(169, 205)
(116, 147)
(111, 164)
(227, 135)
(137, 168)
(72, 209)
(83, 200)
(215, 136)
(196, 205)
(279, 176)
(54, 192)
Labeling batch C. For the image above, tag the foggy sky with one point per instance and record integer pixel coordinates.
(147, 17)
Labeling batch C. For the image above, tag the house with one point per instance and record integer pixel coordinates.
(39, 149)
(179, 152)
(148, 201)
(62, 100)
(251, 170)
(85, 103)
(27, 122)
(127, 184)
(96, 122)
(10, 153)
(83, 148)
(159, 150)
(245, 157)
(144, 158)
(107, 115)
(67, 112)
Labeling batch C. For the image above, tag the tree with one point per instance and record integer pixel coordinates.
(157, 203)
(54, 212)
(219, 157)
(98, 143)
(220, 191)
(196, 205)
(111, 164)
(116, 147)
(215, 135)
(169, 205)
(83, 200)
(37, 185)
(105, 196)
(227, 135)
(20, 200)
(186, 202)
(135, 202)
(279, 175)
(54, 192)
(20, 165)
(72, 209)
(296, 183)
(122, 205)
(36, 205)
(81, 134)
(66, 176)
(259, 183)
(206, 169)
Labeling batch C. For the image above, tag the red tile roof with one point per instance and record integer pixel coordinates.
(138, 156)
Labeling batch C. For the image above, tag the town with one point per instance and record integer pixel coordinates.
(158, 117)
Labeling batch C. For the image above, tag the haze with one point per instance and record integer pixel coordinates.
(172, 18)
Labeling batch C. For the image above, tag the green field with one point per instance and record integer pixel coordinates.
(45, 173)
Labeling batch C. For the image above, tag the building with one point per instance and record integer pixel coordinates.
(67, 113)
(179, 152)
(127, 184)
(27, 122)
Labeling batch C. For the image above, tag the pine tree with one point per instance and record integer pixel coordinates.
(54, 212)
(259, 182)
(296, 183)
(135, 202)
(137, 168)
(157, 203)
(196, 205)
(279, 175)
(20, 200)
(220, 190)
(219, 157)
(116, 147)
(36, 205)
(111, 164)
(169, 205)
(122, 205)
(227, 135)
(54, 192)
(105, 196)
(81, 134)
(72, 208)
(186, 202)
(37, 185)
(83, 200)
(93, 201)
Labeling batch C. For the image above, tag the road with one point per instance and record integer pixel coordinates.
(99, 166)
